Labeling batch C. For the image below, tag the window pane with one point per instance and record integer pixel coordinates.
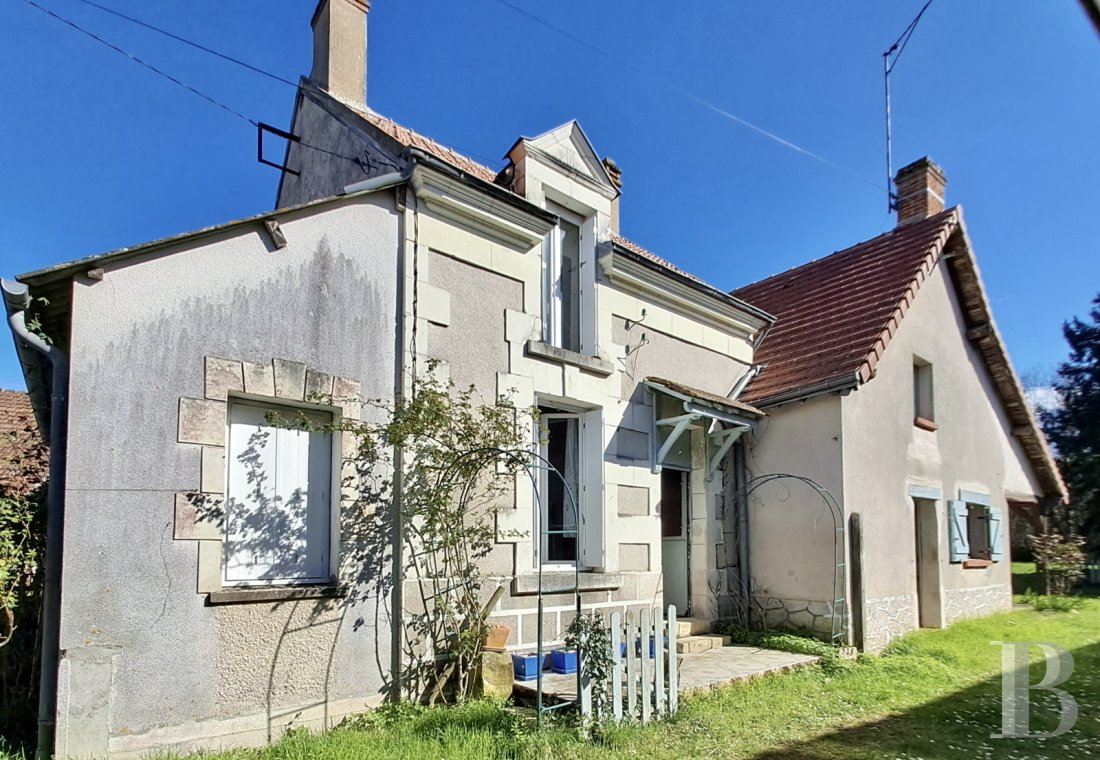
(672, 504)
(559, 518)
(570, 284)
(277, 506)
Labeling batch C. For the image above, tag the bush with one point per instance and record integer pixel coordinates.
(831, 659)
(1060, 559)
(1050, 603)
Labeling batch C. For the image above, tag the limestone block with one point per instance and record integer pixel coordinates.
(222, 376)
(345, 394)
(202, 421)
(290, 379)
(634, 558)
(210, 567)
(318, 386)
(259, 378)
(212, 476)
(530, 628)
(497, 674)
(199, 517)
(435, 305)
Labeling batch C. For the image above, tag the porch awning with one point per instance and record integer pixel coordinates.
(724, 420)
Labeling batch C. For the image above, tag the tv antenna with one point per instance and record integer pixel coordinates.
(889, 61)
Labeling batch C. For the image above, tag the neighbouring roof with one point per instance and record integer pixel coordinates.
(20, 467)
(712, 399)
(835, 317)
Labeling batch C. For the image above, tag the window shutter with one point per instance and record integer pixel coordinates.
(956, 531)
(996, 534)
(592, 516)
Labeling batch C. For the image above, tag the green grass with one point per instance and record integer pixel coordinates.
(932, 694)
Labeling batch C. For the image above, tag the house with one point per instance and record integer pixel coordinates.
(212, 592)
(887, 383)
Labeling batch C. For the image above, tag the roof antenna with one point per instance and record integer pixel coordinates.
(889, 60)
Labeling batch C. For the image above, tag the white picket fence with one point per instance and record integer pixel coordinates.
(643, 685)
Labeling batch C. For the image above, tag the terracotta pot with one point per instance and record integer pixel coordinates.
(496, 638)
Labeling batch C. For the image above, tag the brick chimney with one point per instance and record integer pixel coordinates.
(340, 49)
(615, 174)
(920, 191)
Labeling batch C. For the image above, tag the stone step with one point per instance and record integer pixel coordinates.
(697, 644)
(692, 627)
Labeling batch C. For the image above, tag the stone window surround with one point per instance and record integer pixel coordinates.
(204, 421)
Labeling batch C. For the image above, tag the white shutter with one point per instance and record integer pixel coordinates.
(957, 531)
(279, 500)
(589, 307)
(996, 534)
(592, 501)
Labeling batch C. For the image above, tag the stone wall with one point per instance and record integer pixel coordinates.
(799, 615)
(887, 618)
(964, 603)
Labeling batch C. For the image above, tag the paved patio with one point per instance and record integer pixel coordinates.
(698, 673)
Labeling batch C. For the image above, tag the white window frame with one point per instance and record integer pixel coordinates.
(331, 553)
(586, 309)
(591, 544)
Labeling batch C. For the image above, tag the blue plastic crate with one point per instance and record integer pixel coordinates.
(525, 666)
(563, 661)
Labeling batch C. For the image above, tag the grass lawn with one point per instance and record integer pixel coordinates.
(934, 694)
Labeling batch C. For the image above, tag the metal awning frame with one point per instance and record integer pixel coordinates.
(730, 426)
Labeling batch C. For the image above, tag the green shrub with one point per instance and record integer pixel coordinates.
(1050, 602)
(831, 659)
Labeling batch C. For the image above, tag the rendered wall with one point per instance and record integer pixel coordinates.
(884, 454)
(147, 664)
(792, 533)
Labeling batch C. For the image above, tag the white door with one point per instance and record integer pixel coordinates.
(674, 539)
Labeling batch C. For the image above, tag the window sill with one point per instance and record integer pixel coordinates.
(561, 581)
(973, 564)
(593, 364)
(258, 594)
(925, 424)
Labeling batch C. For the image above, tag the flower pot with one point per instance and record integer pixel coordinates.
(563, 661)
(496, 637)
(526, 666)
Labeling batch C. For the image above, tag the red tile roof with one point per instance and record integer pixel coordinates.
(835, 315)
(18, 440)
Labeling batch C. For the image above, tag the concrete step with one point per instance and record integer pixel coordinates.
(692, 627)
(697, 644)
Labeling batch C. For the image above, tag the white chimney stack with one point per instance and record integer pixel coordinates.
(340, 49)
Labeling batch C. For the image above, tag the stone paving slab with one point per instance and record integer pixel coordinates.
(730, 664)
(698, 673)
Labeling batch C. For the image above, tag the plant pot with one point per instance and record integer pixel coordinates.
(496, 637)
(526, 666)
(563, 661)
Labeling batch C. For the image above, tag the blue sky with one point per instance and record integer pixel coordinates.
(99, 153)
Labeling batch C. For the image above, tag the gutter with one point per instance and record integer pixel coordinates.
(16, 300)
(843, 383)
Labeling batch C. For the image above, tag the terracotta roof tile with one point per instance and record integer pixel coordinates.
(411, 139)
(18, 435)
(835, 315)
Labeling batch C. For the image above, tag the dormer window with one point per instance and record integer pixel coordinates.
(562, 281)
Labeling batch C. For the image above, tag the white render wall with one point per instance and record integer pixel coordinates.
(147, 664)
(884, 454)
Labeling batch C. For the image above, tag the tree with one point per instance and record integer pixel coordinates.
(1074, 427)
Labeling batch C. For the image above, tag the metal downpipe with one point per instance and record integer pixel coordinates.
(16, 300)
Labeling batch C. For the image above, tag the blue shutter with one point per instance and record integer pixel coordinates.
(956, 531)
(996, 535)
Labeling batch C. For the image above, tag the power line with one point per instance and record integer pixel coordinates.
(697, 99)
(135, 59)
(210, 99)
(191, 43)
(224, 57)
